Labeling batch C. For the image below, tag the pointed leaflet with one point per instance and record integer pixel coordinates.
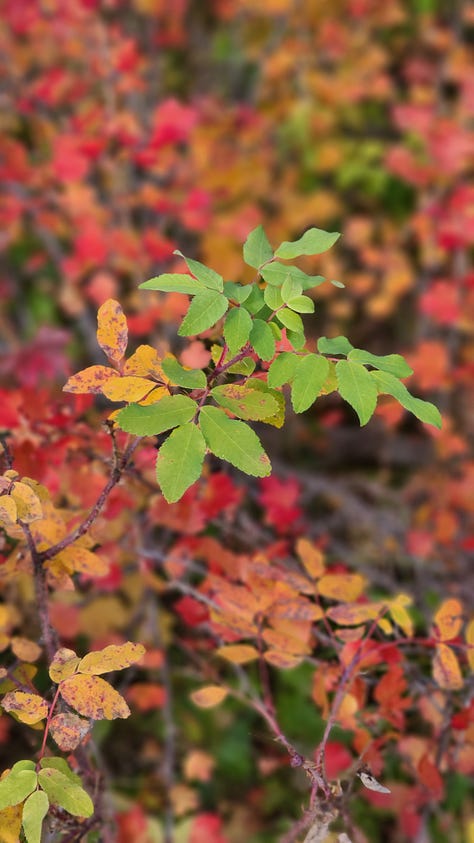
(204, 311)
(276, 273)
(16, 786)
(91, 380)
(34, 811)
(128, 388)
(238, 653)
(113, 657)
(389, 385)
(334, 345)
(234, 441)
(255, 301)
(237, 292)
(173, 282)
(181, 376)
(356, 386)
(395, 364)
(237, 327)
(61, 791)
(171, 411)
(301, 304)
(179, 461)
(257, 249)
(112, 333)
(313, 242)
(311, 373)
(209, 696)
(262, 339)
(92, 697)
(211, 279)
(283, 368)
(446, 671)
(291, 287)
(244, 402)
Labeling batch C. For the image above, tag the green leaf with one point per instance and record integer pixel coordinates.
(61, 791)
(290, 320)
(234, 441)
(310, 375)
(237, 327)
(171, 282)
(302, 304)
(244, 402)
(243, 367)
(179, 461)
(313, 242)
(283, 368)
(204, 311)
(357, 388)
(181, 376)
(26, 764)
(335, 345)
(278, 418)
(171, 411)
(16, 786)
(237, 292)
(297, 339)
(262, 339)
(389, 385)
(56, 763)
(291, 288)
(339, 284)
(272, 296)
(34, 811)
(255, 300)
(276, 274)
(208, 277)
(276, 331)
(395, 364)
(257, 249)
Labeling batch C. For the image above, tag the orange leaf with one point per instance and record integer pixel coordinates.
(146, 696)
(448, 619)
(91, 379)
(112, 333)
(352, 615)
(69, 730)
(446, 670)
(284, 661)
(28, 708)
(92, 697)
(311, 557)
(129, 388)
(470, 644)
(76, 559)
(430, 777)
(238, 653)
(64, 664)
(209, 696)
(25, 650)
(345, 587)
(113, 657)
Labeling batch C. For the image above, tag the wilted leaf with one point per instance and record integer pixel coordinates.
(113, 657)
(68, 731)
(209, 696)
(112, 333)
(92, 697)
(28, 708)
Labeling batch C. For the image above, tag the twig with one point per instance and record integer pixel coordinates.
(48, 633)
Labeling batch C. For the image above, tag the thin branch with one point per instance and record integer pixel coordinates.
(48, 633)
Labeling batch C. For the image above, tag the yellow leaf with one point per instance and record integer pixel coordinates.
(154, 396)
(92, 697)
(470, 644)
(25, 650)
(209, 696)
(10, 824)
(448, 619)
(79, 560)
(69, 730)
(113, 657)
(446, 670)
(40, 491)
(353, 615)
(129, 388)
(401, 617)
(143, 362)
(29, 708)
(112, 333)
(8, 510)
(91, 379)
(345, 587)
(238, 653)
(27, 502)
(311, 557)
(64, 664)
